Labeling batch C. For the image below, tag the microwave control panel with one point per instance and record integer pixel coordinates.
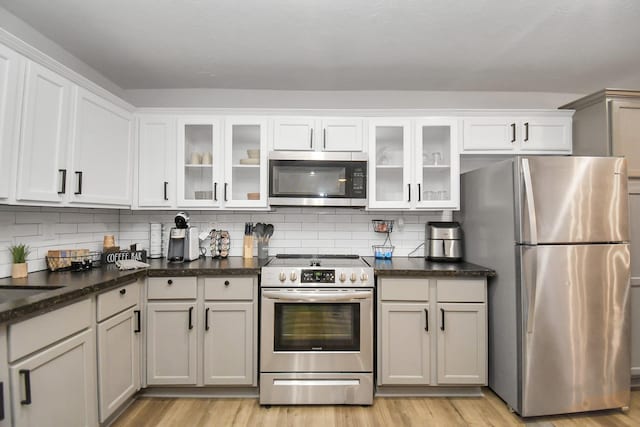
(318, 276)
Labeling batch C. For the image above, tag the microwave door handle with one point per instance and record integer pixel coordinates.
(315, 296)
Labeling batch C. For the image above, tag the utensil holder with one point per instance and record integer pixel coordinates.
(247, 246)
(263, 250)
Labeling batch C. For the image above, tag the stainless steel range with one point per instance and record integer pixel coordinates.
(316, 343)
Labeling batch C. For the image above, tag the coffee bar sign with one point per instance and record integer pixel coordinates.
(112, 257)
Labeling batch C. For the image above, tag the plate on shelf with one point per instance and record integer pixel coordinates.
(249, 161)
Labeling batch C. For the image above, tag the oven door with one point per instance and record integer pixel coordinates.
(316, 330)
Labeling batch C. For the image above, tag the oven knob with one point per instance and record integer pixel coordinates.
(353, 277)
(364, 277)
(293, 276)
(282, 276)
(343, 277)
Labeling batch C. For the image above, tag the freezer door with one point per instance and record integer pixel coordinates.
(571, 199)
(575, 328)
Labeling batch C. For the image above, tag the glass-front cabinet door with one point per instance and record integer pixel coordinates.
(200, 169)
(389, 164)
(245, 183)
(436, 165)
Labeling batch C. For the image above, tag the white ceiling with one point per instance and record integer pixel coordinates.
(575, 46)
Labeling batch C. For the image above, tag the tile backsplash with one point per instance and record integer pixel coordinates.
(297, 230)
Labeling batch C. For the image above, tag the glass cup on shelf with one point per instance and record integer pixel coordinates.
(196, 158)
(443, 195)
(431, 195)
(437, 158)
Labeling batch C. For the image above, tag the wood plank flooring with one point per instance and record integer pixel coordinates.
(429, 411)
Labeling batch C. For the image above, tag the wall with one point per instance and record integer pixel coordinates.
(297, 230)
(239, 98)
(52, 228)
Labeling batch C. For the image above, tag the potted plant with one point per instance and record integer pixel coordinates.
(19, 253)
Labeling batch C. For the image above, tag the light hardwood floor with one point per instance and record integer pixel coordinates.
(433, 411)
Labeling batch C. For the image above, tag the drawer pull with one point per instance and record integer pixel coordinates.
(170, 282)
(27, 386)
(123, 291)
(226, 283)
(138, 328)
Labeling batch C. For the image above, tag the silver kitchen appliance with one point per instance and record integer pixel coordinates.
(317, 178)
(316, 331)
(443, 241)
(184, 244)
(556, 231)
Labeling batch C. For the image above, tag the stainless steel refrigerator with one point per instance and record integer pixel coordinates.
(556, 231)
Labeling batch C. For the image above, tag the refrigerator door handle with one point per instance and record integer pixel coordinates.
(531, 289)
(531, 207)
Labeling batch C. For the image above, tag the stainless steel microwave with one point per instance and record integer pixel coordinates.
(317, 179)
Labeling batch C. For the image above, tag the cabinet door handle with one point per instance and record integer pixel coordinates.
(442, 322)
(526, 132)
(79, 175)
(324, 139)
(138, 328)
(165, 190)
(311, 138)
(225, 191)
(190, 317)
(409, 186)
(215, 191)
(513, 132)
(1, 401)
(206, 319)
(426, 320)
(63, 181)
(419, 192)
(27, 386)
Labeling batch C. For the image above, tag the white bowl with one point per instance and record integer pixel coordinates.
(253, 154)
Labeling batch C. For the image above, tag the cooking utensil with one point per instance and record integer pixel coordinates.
(259, 230)
(268, 231)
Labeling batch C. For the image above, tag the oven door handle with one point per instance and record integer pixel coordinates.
(306, 296)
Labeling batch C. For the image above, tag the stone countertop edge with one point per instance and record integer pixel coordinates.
(420, 267)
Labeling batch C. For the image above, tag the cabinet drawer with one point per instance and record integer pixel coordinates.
(172, 288)
(405, 289)
(461, 290)
(117, 300)
(38, 332)
(229, 288)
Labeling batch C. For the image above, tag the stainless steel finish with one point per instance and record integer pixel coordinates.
(301, 201)
(316, 361)
(340, 295)
(576, 357)
(577, 199)
(443, 241)
(559, 317)
(318, 388)
(318, 155)
(280, 275)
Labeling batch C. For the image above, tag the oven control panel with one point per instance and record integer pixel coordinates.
(318, 276)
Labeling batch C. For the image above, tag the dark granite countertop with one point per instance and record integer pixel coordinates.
(419, 267)
(74, 286)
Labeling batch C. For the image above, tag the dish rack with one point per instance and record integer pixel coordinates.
(385, 250)
(73, 260)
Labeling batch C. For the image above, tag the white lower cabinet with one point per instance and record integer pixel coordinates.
(426, 339)
(119, 328)
(462, 343)
(56, 386)
(171, 343)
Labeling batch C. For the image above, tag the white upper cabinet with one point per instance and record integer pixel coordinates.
(437, 164)
(511, 134)
(245, 154)
(11, 83)
(310, 134)
(390, 164)
(200, 162)
(102, 152)
(42, 165)
(414, 164)
(156, 161)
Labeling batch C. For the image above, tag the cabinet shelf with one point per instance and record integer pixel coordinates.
(198, 166)
(389, 166)
(247, 166)
(436, 166)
